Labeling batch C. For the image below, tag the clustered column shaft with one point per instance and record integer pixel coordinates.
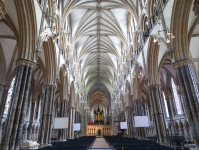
(139, 112)
(159, 116)
(71, 122)
(122, 116)
(129, 115)
(31, 119)
(16, 116)
(114, 125)
(63, 113)
(190, 100)
(3, 94)
(77, 117)
(46, 115)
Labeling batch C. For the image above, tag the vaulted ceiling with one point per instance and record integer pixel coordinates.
(99, 34)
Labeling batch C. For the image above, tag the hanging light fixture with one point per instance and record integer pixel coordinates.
(155, 40)
(54, 32)
(155, 4)
(41, 35)
(168, 41)
(168, 33)
(58, 37)
(45, 30)
(53, 40)
(172, 36)
(46, 39)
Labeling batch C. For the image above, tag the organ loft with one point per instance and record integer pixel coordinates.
(98, 116)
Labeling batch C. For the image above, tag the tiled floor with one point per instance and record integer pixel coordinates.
(100, 143)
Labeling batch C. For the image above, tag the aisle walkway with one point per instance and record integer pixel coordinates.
(100, 143)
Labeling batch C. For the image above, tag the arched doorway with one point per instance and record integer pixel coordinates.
(99, 132)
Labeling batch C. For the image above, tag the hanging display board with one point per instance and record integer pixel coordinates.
(141, 121)
(77, 127)
(123, 125)
(61, 123)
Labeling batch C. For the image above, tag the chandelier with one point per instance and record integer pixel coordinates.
(168, 37)
(45, 34)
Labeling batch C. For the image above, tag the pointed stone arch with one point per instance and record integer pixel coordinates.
(72, 94)
(152, 62)
(50, 62)
(127, 92)
(179, 27)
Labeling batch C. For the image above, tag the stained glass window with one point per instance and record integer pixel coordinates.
(176, 97)
(165, 104)
(194, 81)
(9, 96)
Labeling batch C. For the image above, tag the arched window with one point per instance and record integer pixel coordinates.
(175, 94)
(165, 104)
(194, 81)
(9, 96)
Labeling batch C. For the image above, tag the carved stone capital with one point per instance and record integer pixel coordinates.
(64, 100)
(151, 86)
(72, 107)
(6, 87)
(137, 100)
(129, 107)
(25, 62)
(49, 85)
(182, 62)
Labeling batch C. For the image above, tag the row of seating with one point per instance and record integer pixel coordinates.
(136, 144)
(78, 143)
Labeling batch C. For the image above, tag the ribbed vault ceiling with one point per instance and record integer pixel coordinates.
(99, 33)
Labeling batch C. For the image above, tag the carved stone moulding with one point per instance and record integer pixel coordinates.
(196, 7)
(2, 10)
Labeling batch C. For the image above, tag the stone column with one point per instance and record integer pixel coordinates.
(80, 121)
(37, 108)
(78, 117)
(129, 115)
(77, 120)
(139, 112)
(150, 111)
(46, 115)
(29, 105)
(122, 116)
(71, 122)
(114, 125)
(63, 113)
(156, 98)
(190, 97)
(170, 114)
(31, 120)
(4, 93)
(18, 106)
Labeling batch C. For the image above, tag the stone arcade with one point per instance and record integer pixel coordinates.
(100, 62)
